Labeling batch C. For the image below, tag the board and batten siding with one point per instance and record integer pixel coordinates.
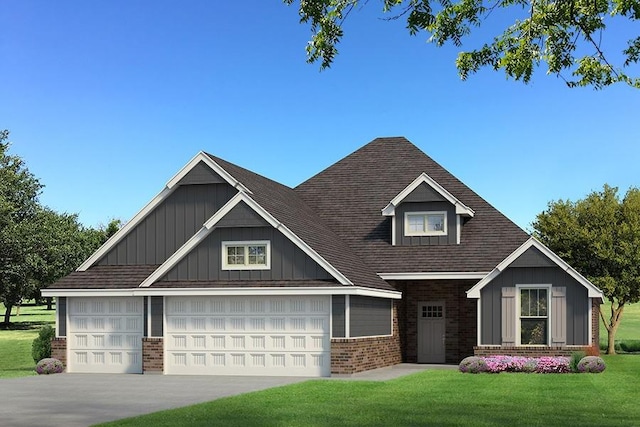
(369, 316)
(288, 262)
(61, 312)
(338, 324)
(169, 225)
(448, 239)
(577, 302)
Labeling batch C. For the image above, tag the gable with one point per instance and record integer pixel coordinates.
(424, 193)
(201, 174)
(242, 216)
(288, 262)
(169, 225)
(532, 257)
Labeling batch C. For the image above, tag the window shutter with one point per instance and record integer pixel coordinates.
(559, 316)
(509, 316)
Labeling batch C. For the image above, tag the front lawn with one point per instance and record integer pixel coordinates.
(438, 397)
(15, 342)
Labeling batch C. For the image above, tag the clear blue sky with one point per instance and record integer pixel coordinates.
(106, 100)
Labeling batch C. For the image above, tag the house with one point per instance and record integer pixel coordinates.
(384, 257)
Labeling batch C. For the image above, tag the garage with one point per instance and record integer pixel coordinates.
(257, 335)
(105, 335)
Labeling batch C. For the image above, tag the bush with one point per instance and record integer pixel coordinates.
(49, 366)
(473, 365)
(553, 365)
(592, 364)
(41, 347)
(576, 357)
(630, 346)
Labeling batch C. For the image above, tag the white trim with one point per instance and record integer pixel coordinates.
(245, 244)
(328, 290)
(518, 310)
(445, 275)
(458, 229)
(593, 291)
(148, 319)
(347, 316)
(425, 217)
(479, 322)
(590, 337)
(208, 227)
(159, 198)
(393, 230)
(461, 208)
(58, 319)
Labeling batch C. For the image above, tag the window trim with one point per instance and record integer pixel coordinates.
(425, 214)
(518, 307)
(246, 266)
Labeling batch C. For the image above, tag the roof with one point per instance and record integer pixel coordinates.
(106, 277)
(592, 290)
(349, 196)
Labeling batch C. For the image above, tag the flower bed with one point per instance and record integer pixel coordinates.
(49, 366)
(497, 364)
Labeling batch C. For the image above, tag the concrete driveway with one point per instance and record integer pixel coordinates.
(85, 399)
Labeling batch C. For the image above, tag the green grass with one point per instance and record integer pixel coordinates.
(438, 397)
(629, 326)
(15, 343)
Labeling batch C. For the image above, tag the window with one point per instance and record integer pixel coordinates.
(425, 223)
(246, 255)
(534, 316)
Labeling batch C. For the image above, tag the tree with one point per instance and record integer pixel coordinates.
(565, 34)
(600, 237)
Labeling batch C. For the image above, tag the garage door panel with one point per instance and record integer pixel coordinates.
(105, 335)
(248, 336)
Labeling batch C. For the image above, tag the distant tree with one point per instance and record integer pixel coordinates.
(600, 237)
(566, 34)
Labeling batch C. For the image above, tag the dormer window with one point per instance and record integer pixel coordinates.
(425, 223)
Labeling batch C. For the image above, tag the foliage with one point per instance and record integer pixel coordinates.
(599, 236)
(49, 366)
(566, 35)
(41, 347)
(592, 364)
(434, 397)
(576, 357)
(497, 364)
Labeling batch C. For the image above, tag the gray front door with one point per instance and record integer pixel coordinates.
(431, 332)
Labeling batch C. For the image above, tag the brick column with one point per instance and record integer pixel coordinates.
(152, 355)
(59, 350)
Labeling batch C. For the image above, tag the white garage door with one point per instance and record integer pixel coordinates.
(277, 336)
(105, 335)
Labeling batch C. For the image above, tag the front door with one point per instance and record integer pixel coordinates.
(431, 332)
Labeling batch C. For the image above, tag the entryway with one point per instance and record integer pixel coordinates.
(431, 332)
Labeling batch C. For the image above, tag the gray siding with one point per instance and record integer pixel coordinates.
(288, 262)
(449, 239)
(337, 316)
(424, 193)
(577, 300)
(201, 174)
(171, 224)
(532, 257)
(157, 313)
(242, 216)
(61, 308)
(369, 316)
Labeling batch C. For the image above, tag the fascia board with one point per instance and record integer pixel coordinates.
(120, 234)
(461, 208)
(227, 291)
(209, 225)
(593, 291)
(202, 157)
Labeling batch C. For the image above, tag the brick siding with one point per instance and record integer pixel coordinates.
(152, 355)
(59, 350)
(493, 350)
(351, 355)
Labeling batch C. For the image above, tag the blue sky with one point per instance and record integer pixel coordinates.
(106, 100)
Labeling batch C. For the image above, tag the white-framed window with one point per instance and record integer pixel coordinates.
(425, 223)
(253, 255)
(534, 319)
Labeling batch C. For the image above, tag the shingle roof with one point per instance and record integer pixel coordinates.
(106, 277)
(246, 284)
(289, 208)
(350, 194)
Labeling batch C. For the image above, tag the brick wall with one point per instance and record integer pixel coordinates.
(492, 350)
(59, 350)
(351, 355)
(460, 316)
(152, 355)
(595, 323)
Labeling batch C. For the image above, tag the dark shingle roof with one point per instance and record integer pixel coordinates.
(350, 195)
(106, 277)
(289, 208)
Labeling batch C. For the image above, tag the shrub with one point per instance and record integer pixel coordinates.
(553, 365)
(630, 346)
(41, 347)
(592, 364)
(49, 366)
(473, 365)
(593, 350)
(576, 357)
